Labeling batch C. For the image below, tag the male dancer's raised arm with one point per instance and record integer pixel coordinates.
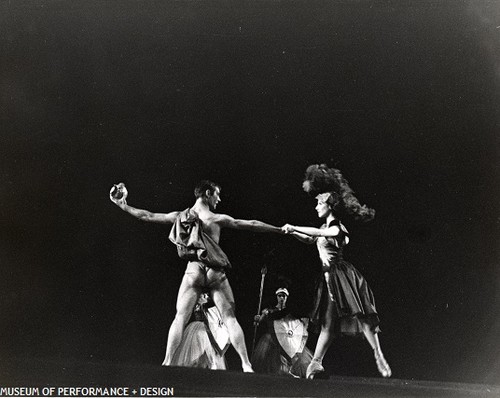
(118, 195)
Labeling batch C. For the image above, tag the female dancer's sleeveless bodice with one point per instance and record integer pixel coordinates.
(342, 285)
(330, 249)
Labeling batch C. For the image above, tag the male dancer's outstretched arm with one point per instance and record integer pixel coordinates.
(226, 221)
(141, 214)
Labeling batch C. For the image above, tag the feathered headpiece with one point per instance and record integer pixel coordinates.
(329, 185)
(320, 179)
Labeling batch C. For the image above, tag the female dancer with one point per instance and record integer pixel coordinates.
(344, 301)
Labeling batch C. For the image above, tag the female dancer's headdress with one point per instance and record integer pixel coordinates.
(330, 186)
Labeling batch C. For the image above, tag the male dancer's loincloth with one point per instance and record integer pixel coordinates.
(201, 275)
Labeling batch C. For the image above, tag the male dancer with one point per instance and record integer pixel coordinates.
(201, 275)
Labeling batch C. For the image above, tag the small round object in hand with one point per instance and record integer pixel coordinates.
(117, 191)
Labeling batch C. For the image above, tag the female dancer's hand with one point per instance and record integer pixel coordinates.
(287, 228)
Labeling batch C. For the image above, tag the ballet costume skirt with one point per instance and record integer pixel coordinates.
(342, 289)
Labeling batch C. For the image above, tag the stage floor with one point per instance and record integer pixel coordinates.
(189, 382)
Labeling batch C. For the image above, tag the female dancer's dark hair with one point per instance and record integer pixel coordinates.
(319, 178)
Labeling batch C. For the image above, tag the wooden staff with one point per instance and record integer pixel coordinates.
(263, 272)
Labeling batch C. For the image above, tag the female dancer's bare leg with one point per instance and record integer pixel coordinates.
(372, 338)
(325, 340)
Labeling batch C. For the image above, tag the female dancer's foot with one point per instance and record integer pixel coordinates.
(315, 368)
(247, 368)
(382, 365)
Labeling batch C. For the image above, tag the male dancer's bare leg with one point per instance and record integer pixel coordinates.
(186, 300)
(224, 301)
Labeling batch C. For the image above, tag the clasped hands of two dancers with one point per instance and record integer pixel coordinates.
(288, 229)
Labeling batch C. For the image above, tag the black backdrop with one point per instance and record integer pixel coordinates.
(402, 96)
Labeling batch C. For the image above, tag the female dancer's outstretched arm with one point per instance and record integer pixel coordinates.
(311, 231)
(309, 240)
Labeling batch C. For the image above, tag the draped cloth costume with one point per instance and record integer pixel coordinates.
(344, 286)
(269, 355)
(204, 341)
(193, 244)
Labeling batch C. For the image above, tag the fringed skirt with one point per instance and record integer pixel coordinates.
(353, 300)
(196, 349)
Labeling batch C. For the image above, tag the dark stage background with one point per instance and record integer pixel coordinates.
(402, 96)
